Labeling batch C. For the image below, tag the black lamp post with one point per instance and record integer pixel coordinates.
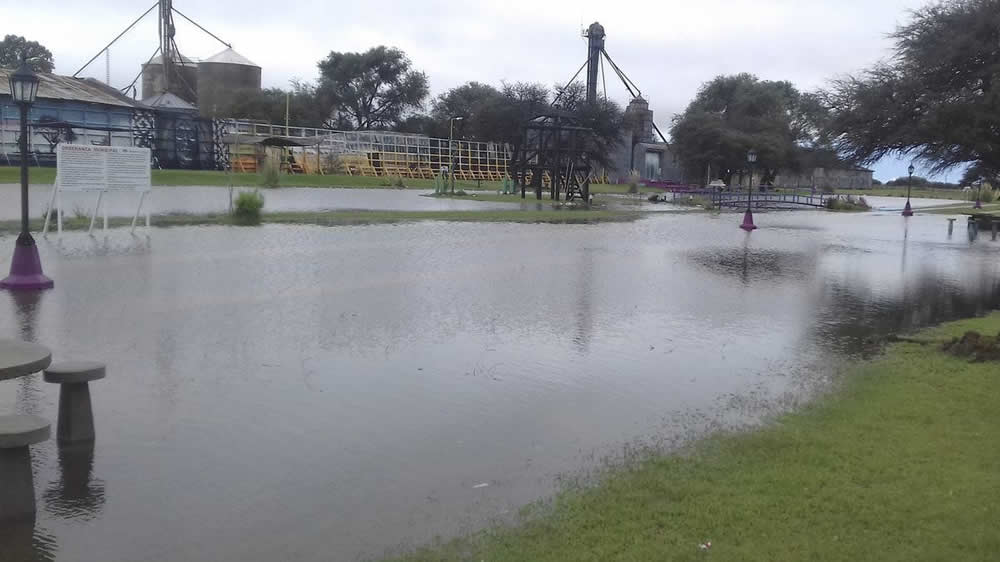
(748, 224)
(451, 153)
(907, 210)
(25, 267)
(979, 196)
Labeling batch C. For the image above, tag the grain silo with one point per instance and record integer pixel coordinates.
(220, 78)
(183, 81)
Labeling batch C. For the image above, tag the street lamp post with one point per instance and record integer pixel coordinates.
(907, 210)
(451, 157)
(748, 224)
(25, 266)
(979, 196)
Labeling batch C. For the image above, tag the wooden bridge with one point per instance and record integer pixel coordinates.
(758, 200)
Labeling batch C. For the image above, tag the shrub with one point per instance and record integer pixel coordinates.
(849, 203)
(828, 190)
(247, 207)
(270, 173)
(633, 182)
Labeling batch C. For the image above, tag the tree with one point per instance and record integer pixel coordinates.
(304, 107)
(604, 118)
(936, 100)
(732, 114)
(371, 90)
(13, 47)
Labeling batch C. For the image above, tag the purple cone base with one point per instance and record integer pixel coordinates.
(748, 224)
(907, 210)
(978, 205)
(26, 271)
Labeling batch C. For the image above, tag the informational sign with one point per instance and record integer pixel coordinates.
(83, 167)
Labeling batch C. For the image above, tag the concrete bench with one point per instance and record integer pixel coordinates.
(17, 494)
(76, 417)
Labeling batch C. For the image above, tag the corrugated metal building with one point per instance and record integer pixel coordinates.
(86, 111)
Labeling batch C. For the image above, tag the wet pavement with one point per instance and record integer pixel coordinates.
(328, 393)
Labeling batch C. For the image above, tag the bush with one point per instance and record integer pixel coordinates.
(828, 190)
(247, 207)
(849, 203)
(270, 173)
(633, 182)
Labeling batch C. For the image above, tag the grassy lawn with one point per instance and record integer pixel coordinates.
(215, 178)
(882, 191)
(900, 463)
(338, 218)
(965, 209)
(10, 174)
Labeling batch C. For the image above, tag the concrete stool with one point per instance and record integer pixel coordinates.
(76, 418)
(17, 494)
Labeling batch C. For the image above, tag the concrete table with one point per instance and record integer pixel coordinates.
(20, 358)
(17, 494)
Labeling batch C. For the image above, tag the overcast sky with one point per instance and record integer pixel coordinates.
(667, 47)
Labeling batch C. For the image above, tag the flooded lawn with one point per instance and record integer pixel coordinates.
(201, 200)
(311, 393)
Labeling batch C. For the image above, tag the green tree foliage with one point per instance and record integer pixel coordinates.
(268, 105)
(13, 47)
(937, 99)
(371, 90)
(491, 114)
(605, 118)
(732, 114)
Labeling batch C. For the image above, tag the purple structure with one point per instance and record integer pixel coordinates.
(25, 268)
(748, 224)
(907, 210)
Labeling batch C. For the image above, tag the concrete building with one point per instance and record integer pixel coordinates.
(640, 150)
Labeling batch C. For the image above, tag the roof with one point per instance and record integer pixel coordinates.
(168, 100)
(270, 141)
(229, 56)
(56, 87)
(185, 61)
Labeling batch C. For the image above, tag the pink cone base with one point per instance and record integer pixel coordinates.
(978, 205)
(907, 210)
(26, 271)
(748, 224)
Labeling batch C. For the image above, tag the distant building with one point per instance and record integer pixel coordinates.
(87, 111)
(640, 150)
(834, 178)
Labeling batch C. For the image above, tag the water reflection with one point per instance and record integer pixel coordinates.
(388, 370)
(27, 542)
(76, 495)
(27, 306)
(755, 264)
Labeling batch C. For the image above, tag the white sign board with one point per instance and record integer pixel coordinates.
(83, 167)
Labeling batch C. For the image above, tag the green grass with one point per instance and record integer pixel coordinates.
(882, 191)
(901, 463)
(10, 174)
(215, 178)
(992, 208)
(342, 218)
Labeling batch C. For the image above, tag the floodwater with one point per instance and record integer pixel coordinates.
(330, 393)
(209, 199)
